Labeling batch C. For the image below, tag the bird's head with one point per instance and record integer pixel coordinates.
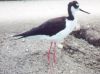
(74, 6)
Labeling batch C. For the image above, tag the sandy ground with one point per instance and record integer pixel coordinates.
(27, 56)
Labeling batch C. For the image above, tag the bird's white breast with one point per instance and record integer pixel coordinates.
(70, 26)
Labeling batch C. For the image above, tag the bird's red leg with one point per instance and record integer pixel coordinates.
(54, 54)
(49, 53)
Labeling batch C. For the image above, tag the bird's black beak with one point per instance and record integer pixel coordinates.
(84, 11)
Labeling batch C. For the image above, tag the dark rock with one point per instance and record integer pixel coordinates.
(90, 35)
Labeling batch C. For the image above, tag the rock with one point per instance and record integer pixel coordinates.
(90, 35)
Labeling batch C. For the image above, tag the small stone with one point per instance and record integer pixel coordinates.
(9, 51)
(11, 35)
(27, 50)
(60, 46)
(23, 40)
(71, 71)
(7, 47)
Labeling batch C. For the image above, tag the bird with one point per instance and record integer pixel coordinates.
(55, 29)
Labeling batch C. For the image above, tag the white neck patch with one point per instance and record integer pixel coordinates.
(73, 10)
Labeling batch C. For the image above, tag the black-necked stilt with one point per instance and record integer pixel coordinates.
(57, 28)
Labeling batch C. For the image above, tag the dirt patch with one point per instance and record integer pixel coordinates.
(83, 52)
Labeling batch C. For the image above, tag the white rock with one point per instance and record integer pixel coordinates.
(60, 46)
(27, 50)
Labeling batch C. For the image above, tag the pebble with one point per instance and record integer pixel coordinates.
(27, 50)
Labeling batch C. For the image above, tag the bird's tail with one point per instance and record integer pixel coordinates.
(16, 35)
(20, 36)
(26, 34)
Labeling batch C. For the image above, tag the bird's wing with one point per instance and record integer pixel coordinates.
(50, 28)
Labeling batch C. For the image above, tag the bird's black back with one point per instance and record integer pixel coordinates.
(50, 28)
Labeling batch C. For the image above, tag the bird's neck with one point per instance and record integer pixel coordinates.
(70, 14)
